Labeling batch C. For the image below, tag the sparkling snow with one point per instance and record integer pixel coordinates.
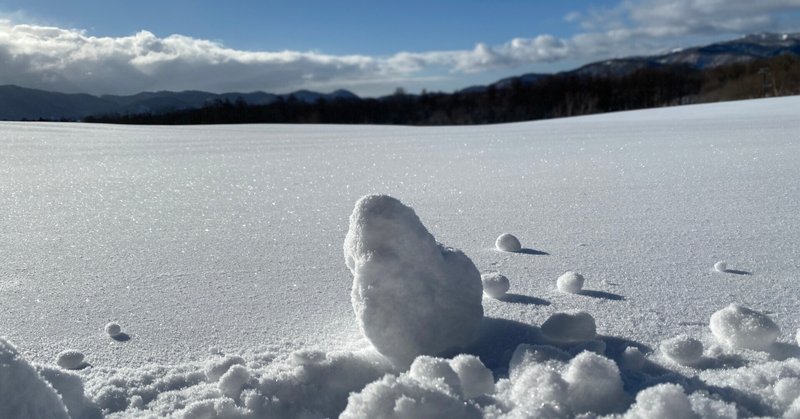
(230, 237)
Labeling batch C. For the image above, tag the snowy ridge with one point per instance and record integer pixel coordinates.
(229, 238)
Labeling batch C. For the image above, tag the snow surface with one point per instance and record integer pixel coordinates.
(230, 236)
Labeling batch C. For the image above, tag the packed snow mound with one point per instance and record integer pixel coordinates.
(683, 349)
(570, 327)
(495, 285)
(507, 242)
(570, 282)
(23, 392)
(720, 266)
(70, 359)
(741, 327)
(411, 295)
(113, 329)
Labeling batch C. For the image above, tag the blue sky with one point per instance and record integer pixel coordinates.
(369, 47)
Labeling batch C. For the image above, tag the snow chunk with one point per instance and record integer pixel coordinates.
(683, 349)
(216, 367)
(113, 329)
(570, 327)
(632, 358)
(23, 392)
(495, 285)
(594, 384)
(570, 282)
(797, 336)
(787, 390)
(436, 371)
(664, 401)
(233, 381)
(721, 266)
(508, 243)
(70, 359)
(741, 327)
(476, 379)
(411, 295)
(405, 397)
(537, 386)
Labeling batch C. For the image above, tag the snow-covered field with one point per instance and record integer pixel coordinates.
(218, 251)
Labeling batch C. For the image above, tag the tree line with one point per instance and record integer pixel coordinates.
(558, 95)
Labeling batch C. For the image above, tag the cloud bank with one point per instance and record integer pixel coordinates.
(70, 60)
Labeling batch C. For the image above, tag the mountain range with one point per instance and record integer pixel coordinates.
(19, 103)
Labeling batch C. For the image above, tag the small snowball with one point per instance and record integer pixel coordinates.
(495, 285)
(663, 401)
(113, 329)
(23, 392)
(233, 381)
(683, 349)
(476, 379)
(508, 243)
(741, 327)
(632, 359)
(797, 337)
(216, 367)
(720, 266)
(411, 295)
(594, 384)
(570, 282)
(570, 327)
(70, 360)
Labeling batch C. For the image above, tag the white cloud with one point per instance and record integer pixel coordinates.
(71, 60)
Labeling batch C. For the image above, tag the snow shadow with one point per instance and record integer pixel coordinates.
(523, 299)
(780, 351)
(122, 337)
(529, 251)
(498, 338)
(602, 294)
(736, 272)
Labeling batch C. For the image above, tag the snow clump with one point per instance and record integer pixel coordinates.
(23, 392)
(720, 266)
(411, 295)
(797, 337)
(741, 327)
(495, 285)
(663, 401)
(432, 388)
(70, 360)
(570, 327)
(113, 329)
(570, 282)
(632, 359)
(508, 243)
(683, 349)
